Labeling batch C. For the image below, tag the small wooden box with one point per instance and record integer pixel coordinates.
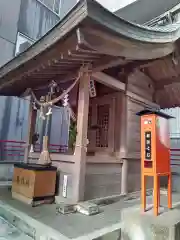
(33, 183)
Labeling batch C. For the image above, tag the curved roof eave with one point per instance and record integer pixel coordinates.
(146, 34)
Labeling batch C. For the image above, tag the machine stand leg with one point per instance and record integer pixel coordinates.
(143, 193)
(159, 195)
(155, 195)
(169, 191)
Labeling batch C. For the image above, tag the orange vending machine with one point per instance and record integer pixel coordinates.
(155, 154)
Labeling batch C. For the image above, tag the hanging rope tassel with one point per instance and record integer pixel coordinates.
(44, 158)
(41, 115)
(31, 148)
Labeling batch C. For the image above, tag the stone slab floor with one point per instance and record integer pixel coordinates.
(78, 226)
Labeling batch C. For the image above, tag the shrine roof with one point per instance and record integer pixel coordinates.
(151, 10)
(88, 34)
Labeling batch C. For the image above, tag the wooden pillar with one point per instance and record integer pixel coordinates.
(123, 144)
(31, 127)
(44, 158)
(81, 138)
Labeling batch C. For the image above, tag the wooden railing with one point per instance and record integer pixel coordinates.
(13, 151)
(53, 148)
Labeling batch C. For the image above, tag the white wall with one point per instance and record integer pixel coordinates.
(114, 5)
(174, 123)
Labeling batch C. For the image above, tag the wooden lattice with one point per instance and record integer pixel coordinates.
(90, 117)
(103, 125)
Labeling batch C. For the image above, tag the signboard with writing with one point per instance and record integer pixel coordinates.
(21, 180)
(33, 183)
(148, 145)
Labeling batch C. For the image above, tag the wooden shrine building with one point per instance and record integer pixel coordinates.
(133, 67)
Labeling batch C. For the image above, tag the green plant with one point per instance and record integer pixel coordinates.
(72, 134)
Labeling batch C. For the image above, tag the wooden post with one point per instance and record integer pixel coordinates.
(44, 158)
(123, 144)
(31, 128)
(81, 138)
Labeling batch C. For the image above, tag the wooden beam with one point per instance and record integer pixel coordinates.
(165, 82)
(141, 99)
(81, 139)
(108, 81)
(147, 64)
(116, 84)
(83, 55)
(108, 63)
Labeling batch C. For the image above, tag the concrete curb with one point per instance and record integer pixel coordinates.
(101, 232)
(28, 224)
(114, 198)
(100, 201)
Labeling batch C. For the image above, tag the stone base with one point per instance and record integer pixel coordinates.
(137, 225)
(31, 201)
(65, 208)
(87, 208)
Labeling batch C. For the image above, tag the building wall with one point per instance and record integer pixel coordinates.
(13, 126)
(174, 122)
(8, 28)
(141, 85)
(35, 19)
(175, 144)
(102, 179)
(66, 6)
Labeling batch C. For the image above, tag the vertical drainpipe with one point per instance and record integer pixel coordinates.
(123, 144)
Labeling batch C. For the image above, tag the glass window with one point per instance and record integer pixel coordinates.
(22, 43)
(57, 6)
(48, 3)
(54, 5)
